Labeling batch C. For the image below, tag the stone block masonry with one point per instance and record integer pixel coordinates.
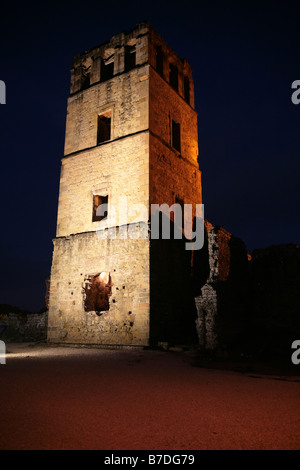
(24, 327)
(127, 320)
(131, 131)
(223, 304)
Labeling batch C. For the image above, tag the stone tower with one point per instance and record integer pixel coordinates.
(131, 138)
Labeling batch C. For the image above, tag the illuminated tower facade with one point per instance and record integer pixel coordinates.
(131, 138)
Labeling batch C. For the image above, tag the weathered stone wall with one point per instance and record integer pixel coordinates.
(167, 105)
(124, 96)
(81, 255)
(169, 56)
(173, 173)
(92, 61)
(24, 326)
(224, 303)
(157, 290)
(117, 169)
(138, 162)
(207, 302)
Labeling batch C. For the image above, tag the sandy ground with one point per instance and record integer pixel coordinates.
(89, 398)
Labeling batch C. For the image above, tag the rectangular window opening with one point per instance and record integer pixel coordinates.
(107, 70)
(104, 128)
(130, 58)
(159, 60)
(173, 76)
(187, 89)
(99, 201)
(85, 81)
(176, 136)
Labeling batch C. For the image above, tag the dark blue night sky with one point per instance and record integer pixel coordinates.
(245, 56)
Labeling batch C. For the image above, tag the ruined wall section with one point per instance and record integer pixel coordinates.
(78, 257)
(150, 157)
(18, 327)
(223, 306)
(207, 302)
(92, 62)
(111, 82)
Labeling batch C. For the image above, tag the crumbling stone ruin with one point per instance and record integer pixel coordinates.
(23, 327)
(223, 301)
(131, 134)
(248, 304)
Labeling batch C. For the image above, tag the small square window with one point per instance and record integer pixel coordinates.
(104, 128)
(99, 201)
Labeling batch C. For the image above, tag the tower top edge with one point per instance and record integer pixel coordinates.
(124, 38)
(140, 28)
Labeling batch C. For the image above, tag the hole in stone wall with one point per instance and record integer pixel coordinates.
(97, 291)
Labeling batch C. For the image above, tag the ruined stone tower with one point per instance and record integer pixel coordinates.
(131, 135)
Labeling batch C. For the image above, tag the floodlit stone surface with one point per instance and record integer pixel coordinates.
(143, 161)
